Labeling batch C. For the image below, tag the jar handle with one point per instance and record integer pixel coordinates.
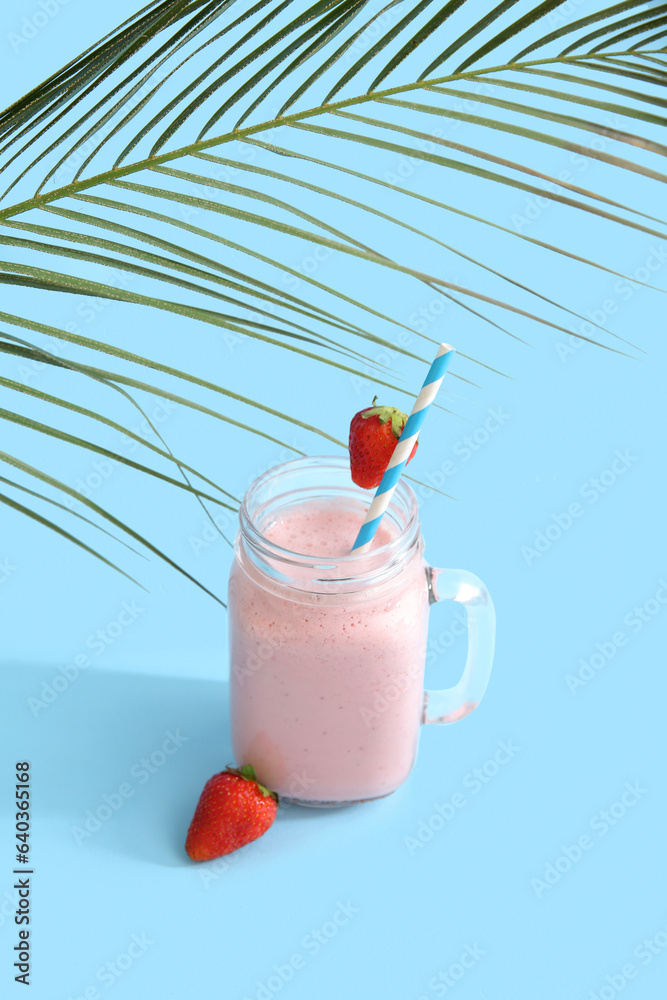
(454, 703)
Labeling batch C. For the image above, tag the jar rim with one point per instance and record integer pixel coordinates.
(403, 509)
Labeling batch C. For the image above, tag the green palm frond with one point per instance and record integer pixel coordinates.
(248, 117)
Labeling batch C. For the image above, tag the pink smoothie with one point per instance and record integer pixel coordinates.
(327, 691)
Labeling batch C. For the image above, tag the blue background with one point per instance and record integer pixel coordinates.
(416, 891)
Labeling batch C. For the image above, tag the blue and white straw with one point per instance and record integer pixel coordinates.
(404, 447)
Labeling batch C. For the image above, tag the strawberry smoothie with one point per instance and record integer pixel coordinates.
(327, 676)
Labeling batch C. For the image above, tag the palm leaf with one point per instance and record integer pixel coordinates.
(131, 108)
(22, 466)
(40, 519)
(575, 27)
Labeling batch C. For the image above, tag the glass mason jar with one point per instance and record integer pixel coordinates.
(327, 653)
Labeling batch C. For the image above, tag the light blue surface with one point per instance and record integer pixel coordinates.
(559, 475)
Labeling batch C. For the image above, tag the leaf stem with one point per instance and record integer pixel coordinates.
(149, 162)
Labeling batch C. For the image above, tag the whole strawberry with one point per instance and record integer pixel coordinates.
(374, 433)
(233, 810)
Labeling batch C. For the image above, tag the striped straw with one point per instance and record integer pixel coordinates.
(404, 447)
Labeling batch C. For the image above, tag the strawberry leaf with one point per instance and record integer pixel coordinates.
(385, 414)
(249, 774)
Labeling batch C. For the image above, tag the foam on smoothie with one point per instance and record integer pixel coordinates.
(323, 528)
